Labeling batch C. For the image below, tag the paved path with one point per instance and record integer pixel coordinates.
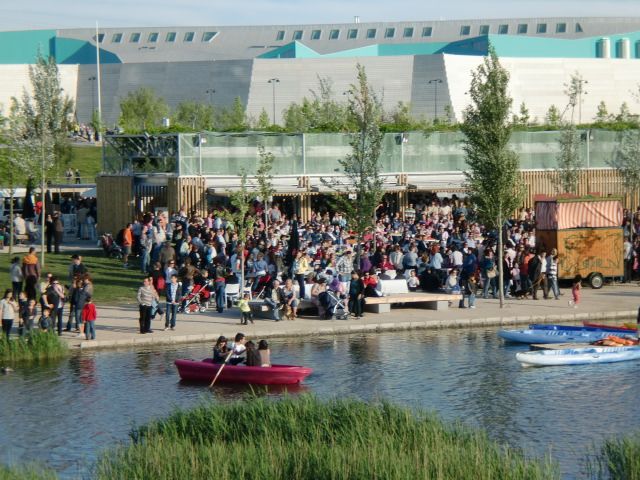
(118, 326)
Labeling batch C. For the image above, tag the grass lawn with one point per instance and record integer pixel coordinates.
(88, 160)
(113, 284)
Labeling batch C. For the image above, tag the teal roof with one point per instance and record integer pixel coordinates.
(505, 46)
(72, 51)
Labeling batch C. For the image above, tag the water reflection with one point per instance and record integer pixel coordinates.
(463, 375)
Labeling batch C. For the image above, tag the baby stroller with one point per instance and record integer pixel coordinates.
(260, 286)
(196, 299)
(110, 247)
(334, 305)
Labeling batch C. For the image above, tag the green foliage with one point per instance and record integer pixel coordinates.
(493, 176)
(401, 120)
(553, 117)
(34, 472)
(618, 459)
(305, 438)
(233, 119)
(627, 159)
(263, 123)
(194, 116)
(263, 175)
(569, 160)
(35, 346)
(574, 91)
(602, 115)
(523, 120)
(361, 169)
(142, 110)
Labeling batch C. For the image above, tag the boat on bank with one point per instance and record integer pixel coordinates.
(587, 327)
(578, 356)
(530, 336)
(205, 370)
(626, 328)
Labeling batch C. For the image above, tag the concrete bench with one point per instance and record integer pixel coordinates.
(396, 292)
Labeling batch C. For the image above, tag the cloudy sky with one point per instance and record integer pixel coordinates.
(32, 14)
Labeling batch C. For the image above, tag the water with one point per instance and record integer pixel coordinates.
(64, 413)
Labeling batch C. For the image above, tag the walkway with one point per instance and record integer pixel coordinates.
(118, 326)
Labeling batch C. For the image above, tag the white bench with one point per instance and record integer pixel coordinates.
(397, 292)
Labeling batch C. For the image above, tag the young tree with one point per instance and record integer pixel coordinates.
(197, 116)
(602, 115)
(553, 117)
(234, 119)
(263, 123)
(141, 110)
(359, 191)
(524, 118)
(569, 160)
(265, 189)
(241, 202)
(627, 159)
(574, 91)
(493, 177)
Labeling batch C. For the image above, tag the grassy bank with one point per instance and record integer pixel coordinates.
(112, 283)
(35, 346)
(26, 473)
(618, 459)
(305, 438)
(88, 160)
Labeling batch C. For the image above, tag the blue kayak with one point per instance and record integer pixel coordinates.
(552, 336)
(578, 356)
(610, 330)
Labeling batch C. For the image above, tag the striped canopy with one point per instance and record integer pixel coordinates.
(554, 215)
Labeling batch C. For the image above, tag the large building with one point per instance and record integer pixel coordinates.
(424, 63)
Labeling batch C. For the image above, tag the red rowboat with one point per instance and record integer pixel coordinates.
(621, 328)
(205, 370)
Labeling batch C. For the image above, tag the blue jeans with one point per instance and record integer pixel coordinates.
(274, 308)
(486, 282)
(472, 300)
(145, 259)
(172, 313)
(553, 286)
(90, 330)
(6, 327)
(220, 296)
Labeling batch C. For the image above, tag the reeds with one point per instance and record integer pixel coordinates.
(618, 459)
(26, 473)
(36, 345)
(305, 438)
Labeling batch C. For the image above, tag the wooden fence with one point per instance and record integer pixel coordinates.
(188, 191)
(115, 202)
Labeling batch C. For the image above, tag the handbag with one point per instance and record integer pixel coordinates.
(491, 273)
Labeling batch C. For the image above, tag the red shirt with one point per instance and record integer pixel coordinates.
(89, 313)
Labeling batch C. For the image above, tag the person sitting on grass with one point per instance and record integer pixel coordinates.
(45, 320)
(89, 315)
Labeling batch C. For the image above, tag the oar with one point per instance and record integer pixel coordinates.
(220, 369)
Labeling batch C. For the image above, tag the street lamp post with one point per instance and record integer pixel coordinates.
(580, 92)
(210, 92)
(435, 83)
(273, 82)
(92, 79)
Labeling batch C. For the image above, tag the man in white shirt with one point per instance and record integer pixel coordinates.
(237, 354)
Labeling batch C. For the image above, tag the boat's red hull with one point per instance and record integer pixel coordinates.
(621, 329)
(205, 371)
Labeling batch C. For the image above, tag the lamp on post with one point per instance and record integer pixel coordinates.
(435, 83)
(273, 82)
(92, 79)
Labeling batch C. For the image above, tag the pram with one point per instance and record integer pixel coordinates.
(259, 287)
(334, 305)
(110, 247)
(197, 299)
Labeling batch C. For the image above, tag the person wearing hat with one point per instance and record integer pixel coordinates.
(552, 273)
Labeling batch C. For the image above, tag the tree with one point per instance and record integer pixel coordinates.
(196, 116)
(553, 117)
(142, 110)
(493, 177)
(241, 202)
(574, 91)
(359, 191)
(627, 160)
(263, 123)
(624, 115)
(265, 189)
(602, 115)
(569, 160)
(524, 118)
(234, 119)
(41, 121)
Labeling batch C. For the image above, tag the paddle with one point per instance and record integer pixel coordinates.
(220, 369)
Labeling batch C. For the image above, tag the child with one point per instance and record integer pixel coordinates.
(265, 353)
(89, 316)
(45, 319)
(575, 291)
(245, 310)
(28, 316)
(472, 288)
(253, 357)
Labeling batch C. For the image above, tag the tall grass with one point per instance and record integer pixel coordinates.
(305, 438)
(618, 459)
(26, 473)
(36, 345)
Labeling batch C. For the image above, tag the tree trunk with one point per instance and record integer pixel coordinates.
(241, 293)
(11, 232)
(500, 264)
(43, 211)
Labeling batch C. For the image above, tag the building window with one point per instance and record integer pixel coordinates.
(408, 32)
(334, 34)
(171, 37)
(352, 34)
(117, 38)
(541, 28)
(208, 36)
(503, 29)
(578, 28)
(390, 32)
(371, 33)
(484, 30)
(100, 37)
(315, 34)
(134, 38)
(523, 28)
(297, 35)
(465, 30)
(427, 31)
(153, 37)
(280, 35)
(561, 28)
(188, 37)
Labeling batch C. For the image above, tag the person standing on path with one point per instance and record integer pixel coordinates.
(146, 295)
(173, 302)
(58, 232)
(89, 316)
(127, 244)
(31, 272)
(55, 302)
(17, 277)
(8, 309)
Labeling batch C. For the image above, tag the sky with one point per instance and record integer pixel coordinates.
(40, 14)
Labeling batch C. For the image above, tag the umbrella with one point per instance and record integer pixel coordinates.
(27, 209)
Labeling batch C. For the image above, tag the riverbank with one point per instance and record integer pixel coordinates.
(117, 326)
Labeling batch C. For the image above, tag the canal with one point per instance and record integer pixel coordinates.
(65, 413)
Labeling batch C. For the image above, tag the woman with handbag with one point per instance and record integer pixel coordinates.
(489, 274)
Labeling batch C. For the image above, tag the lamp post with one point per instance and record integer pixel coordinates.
(92, 79)
(435, 83)
(273, 82)
(210, 92)
(580, 92)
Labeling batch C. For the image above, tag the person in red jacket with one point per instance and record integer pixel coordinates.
(89, 315)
